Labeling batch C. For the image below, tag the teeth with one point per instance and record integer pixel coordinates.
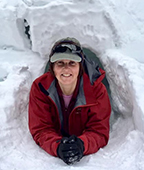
(66, 75)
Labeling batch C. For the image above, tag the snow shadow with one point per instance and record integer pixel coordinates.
(3, 73)
(24, 31)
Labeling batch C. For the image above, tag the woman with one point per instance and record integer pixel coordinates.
(69, 108)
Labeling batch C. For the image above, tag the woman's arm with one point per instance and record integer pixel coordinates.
(41, 123)
(96, 133)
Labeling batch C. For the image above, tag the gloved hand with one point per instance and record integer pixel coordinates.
(70, 149)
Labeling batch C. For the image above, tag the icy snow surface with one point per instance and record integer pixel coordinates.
(114, 31)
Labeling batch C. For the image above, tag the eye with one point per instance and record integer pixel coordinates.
(60, 63)
(72, 63)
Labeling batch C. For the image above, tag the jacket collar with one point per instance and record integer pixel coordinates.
(85, 95)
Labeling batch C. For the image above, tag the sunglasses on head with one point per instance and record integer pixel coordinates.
(64, 47)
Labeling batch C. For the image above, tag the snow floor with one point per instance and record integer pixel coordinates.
(125, 149)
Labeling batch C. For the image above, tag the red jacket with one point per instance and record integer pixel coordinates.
(89, 120)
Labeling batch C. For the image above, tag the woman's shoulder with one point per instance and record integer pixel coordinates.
(96, 79)
(45, 79)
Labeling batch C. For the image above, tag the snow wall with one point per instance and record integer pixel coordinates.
(98, 26)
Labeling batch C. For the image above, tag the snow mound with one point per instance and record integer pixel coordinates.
(126, 79)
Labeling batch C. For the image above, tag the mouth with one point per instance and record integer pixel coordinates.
(66, 75)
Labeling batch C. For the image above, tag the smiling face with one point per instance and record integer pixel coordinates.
(66, 72)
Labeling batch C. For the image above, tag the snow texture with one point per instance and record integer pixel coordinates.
(114, 31)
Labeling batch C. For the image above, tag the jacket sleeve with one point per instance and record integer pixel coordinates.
(40, 121)
(96, 133)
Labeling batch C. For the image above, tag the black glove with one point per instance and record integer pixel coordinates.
(70, 149)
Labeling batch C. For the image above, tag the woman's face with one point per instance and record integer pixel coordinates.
(66, 72)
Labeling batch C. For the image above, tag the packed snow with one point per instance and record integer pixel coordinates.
(114, 31)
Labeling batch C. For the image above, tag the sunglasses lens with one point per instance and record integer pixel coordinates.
(60, 49)
(78, 48)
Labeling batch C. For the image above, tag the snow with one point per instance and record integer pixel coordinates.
(114, 31)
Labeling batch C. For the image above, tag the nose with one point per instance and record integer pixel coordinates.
(66, 65)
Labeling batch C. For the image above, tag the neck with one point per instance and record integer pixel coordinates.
(68, 89)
